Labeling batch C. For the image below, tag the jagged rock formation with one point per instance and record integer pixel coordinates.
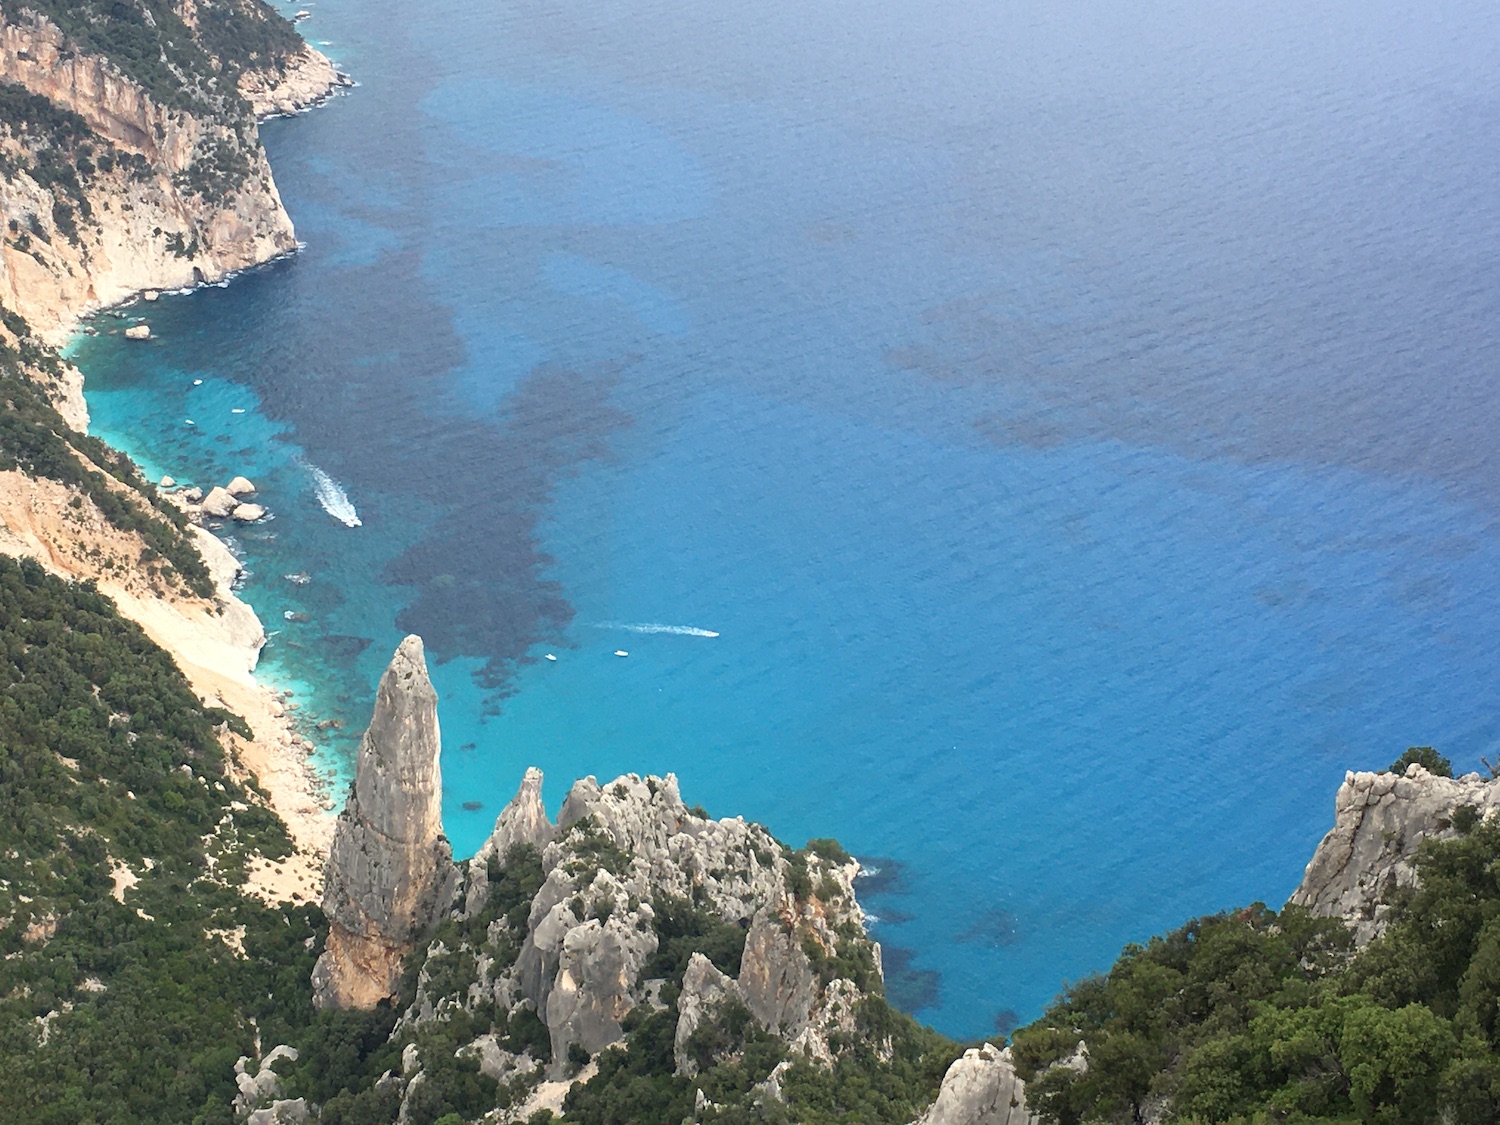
(625, 877)
(1379, 821)
(390, 874)
(119, 186)
(981, 1088)
(523, 822)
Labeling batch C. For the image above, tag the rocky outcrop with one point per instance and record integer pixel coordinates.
(390, 876)
(586, 955)
(1379, 821)
(776, 975)
(305, 81)
(706, 992)
(263, 1087)
(981, 1088)
(523, 822)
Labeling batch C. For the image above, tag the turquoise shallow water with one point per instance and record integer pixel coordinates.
(1076, 426)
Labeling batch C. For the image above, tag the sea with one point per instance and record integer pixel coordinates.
(1042, 444)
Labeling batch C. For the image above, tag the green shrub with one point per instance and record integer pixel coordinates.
(1426, 757)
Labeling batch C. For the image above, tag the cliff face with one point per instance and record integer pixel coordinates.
(1379, 821)
(390, 874)
(154, 196)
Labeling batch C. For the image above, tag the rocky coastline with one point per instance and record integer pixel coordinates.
(166, 196)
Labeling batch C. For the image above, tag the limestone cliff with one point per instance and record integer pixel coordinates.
(390, 874)
(114, 183)
(1379, 821)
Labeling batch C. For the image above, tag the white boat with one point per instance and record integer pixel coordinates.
(621, 652)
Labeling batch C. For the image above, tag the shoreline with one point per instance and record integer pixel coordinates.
(216, 645)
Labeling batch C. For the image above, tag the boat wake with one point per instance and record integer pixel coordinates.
(331, 495)
(652, 627)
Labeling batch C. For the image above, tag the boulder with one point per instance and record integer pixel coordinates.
(168, 482)
(390, 875)
(239, 486)
(191, 495)
(291, 1111)
(219, 503)
(248, 513)
(138, 332)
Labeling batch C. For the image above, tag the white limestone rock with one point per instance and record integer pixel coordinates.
(523, 821)
(240, 486)
(248, 513)
(390, 874)
(261, 1088)
(219, 503)
(1379, 821)
(705, 993)
(980, 1088)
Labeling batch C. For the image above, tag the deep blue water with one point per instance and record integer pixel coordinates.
(1077, 422)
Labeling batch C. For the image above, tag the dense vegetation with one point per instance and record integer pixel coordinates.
(128, 1005)
(35, 439)
(148, 41)
(133, 972)
(1257, 1017)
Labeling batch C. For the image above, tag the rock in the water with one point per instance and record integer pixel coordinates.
(390, 874)
(138, 332)
(1379, 820)
(191, 495)
(219, 503)
(168, 482)
(981, 1088)
(248, 513)
(239, 486)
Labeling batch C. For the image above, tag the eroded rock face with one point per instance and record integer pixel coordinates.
(1379, 821)
(775, 974)
(980, 1088)
(390, 875)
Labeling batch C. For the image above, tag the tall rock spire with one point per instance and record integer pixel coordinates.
(390, 874)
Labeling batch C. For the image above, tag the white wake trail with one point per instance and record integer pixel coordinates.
(654, 627)
(331, 495)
